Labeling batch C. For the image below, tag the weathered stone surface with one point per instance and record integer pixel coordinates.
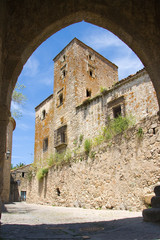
(118, 178)
(151, 215)
(147, 199)
(7, 164)
(20, 36)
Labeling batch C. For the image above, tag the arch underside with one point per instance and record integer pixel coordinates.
(24, 25)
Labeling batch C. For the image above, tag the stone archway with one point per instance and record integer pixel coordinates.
(24, 25)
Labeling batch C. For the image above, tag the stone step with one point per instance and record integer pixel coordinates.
(155, 202)
(151, 215)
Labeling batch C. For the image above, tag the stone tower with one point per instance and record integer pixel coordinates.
(79, 73)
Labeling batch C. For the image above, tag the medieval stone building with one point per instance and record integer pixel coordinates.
(86, 93)
(119, 174)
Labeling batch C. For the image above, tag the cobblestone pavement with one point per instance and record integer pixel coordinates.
(30, 221)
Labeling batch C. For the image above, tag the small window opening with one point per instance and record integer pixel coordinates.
(58, 191)
(64, 57)
(154, 131)
(64, 73)
(90, 57)
(22, 174)
(43, 114)
(61, 99)
(63, 137)
(117, 111)
(91, 73)
(88, 93)
(45, 144)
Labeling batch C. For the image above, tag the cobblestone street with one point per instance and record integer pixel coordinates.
(30, 221)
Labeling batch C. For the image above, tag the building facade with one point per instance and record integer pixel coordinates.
(86, 93)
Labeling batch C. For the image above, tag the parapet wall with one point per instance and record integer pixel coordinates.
(118, 177)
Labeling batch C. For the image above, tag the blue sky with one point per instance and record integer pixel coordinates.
(37, 76)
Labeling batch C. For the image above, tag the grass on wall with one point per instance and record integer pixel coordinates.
(42, 172)
(87, 146)
(114, 127)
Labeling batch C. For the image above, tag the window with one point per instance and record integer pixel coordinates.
(23, 174)
(45, 144)
(58, 192)
(88, 93)
(64, 57)
(43, 114)
(90, 57)
(61, 99)
(63, 137)
(60, 136)
(117, 111)
(64, 73)
(91, 73)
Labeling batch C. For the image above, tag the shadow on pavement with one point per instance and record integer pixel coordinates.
(123, 229)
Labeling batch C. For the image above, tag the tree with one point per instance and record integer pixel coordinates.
(17, 165)
(17, 99)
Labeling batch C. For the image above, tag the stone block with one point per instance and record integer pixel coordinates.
(154, 125)
(151, 215)
(147, 199)
(155, 202)
(157, 190)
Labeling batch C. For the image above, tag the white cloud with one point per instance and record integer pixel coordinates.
(16, 157)
(127, 65)
(27, 112)
(102, 39)
(115, 50)
(23, 111)
(23, 126)
(47, 76)
(31, 67)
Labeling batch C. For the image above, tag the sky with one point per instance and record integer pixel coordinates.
(38, 77)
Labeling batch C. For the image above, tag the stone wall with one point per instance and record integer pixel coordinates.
(7, 164)
(43, 130)
(135, 94)
(18, 183)
(122, 172)
(71, 113)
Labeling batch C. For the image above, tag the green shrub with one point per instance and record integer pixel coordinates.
(92, 154)
(81, 138)
(140, 133)
(59, 159)
(103, 89)
(98, 139)
(117, 125)
(42, 172)
(75, 142)
(50, 160)
(68, 156)
(87, 146)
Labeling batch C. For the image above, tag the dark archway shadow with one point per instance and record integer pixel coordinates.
(122, 229)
